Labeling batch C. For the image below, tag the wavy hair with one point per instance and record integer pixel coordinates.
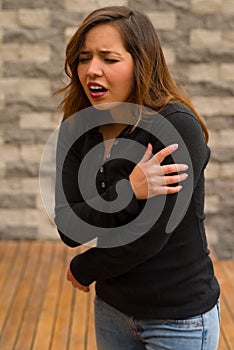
(153, 85)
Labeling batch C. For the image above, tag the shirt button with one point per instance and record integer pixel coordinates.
(108, 156)
(103, 185)
(116, 142)
(101, 169)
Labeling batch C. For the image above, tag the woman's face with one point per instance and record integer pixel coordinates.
(105, 68)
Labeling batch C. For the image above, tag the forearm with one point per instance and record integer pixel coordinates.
(102, 263)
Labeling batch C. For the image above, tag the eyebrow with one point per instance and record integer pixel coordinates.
(104, 52)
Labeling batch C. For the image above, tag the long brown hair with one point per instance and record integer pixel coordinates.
(153, 86)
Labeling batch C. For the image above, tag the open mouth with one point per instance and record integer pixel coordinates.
(96, 90)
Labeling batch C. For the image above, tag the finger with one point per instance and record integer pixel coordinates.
(147, 154)
(170, 190)
(76, 285)
(72, 279)
(83, 288)
(69, 277)
(165, 152)
(173, 168)
(169, 180)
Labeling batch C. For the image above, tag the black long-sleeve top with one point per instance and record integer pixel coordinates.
(151, 259)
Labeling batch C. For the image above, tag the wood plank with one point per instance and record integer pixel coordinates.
(223, 345)
(79, 314)
(91, 344)
(46, 321)
(19, 304)
(11, 283)
(4, 246)
(227, 303)
(226, 324)
(8, 254)
(65, 304)
(228, 268)
(82, 317)
(32, 313)
(228, 296)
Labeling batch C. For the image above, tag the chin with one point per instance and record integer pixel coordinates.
(106, 106)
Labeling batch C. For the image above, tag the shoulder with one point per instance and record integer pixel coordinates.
(181, 117)
(176, 122)
(174, 119)
(178, 109)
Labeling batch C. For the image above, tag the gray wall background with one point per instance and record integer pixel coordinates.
(198, 41)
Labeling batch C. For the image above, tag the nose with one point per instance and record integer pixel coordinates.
(95, 68)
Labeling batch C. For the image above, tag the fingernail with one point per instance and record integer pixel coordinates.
(174, 146)
(149, 148)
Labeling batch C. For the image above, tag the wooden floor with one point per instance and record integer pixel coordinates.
(39, 310)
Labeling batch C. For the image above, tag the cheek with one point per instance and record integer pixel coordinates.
(128, 73)
(81, 70)
(123, 77)
(128, 79)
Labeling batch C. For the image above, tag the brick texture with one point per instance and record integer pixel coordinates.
(198, 40)
(90, 5)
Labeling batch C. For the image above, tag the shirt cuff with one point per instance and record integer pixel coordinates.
(76, 270)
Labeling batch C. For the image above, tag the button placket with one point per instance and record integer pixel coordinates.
(102, 177)
(103, 184)
(115, 143)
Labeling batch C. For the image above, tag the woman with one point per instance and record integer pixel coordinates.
(157, 290)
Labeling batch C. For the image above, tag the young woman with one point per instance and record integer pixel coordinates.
(157, 290)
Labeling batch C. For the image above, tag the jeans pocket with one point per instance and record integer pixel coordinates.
(195, 321)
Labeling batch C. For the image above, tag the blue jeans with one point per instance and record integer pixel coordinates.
(117, 331)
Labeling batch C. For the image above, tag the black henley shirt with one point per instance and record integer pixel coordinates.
(158, 274)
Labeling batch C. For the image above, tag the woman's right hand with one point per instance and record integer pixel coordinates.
(149, 178)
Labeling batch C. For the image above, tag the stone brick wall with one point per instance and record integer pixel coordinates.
(198, 40)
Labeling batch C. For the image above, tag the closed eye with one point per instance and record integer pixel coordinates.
(111, 60)
(83, 60)
(87, 59)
